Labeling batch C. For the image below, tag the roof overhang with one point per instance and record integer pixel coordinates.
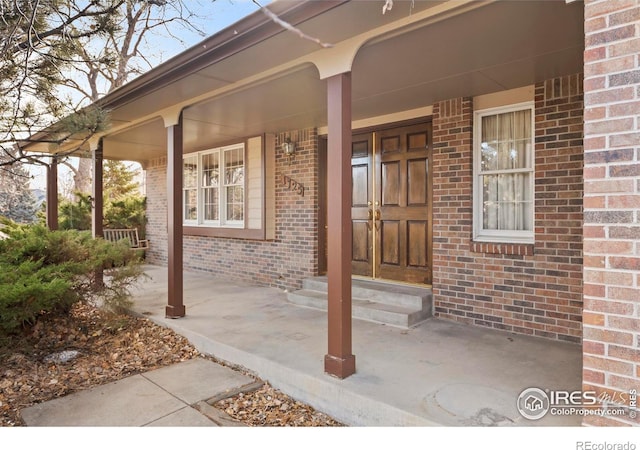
(254, 77)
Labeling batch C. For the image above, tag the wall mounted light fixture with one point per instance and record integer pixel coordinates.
(289, 149)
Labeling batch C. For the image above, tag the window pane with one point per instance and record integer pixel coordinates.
(234, 182)
(506, 141)
(211, 169)
(489, 143)
(190, 204)
(190, 172)
(234, 166)
(507, 201)
(211, 204)
(235, 203)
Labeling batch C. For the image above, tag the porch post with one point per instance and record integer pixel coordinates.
(52, 194)
(339, 361)
(97, 216)
(175, 307)
(97, 212)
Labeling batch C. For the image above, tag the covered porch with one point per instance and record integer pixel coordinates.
(439, 373)
(255, 84)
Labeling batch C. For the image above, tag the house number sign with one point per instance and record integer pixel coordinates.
(293, 185)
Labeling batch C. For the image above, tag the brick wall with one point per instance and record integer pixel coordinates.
(611, 362)
(156, 229)
(282, 262)
(529, 289)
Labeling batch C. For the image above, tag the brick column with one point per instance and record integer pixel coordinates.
(452, 206)
(611, 354)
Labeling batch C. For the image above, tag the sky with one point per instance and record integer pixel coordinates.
(214, 16)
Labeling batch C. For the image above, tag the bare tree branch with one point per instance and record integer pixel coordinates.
(287, 26)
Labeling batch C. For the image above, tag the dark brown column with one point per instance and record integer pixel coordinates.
(339, 361)
(97, 218)
(175, 307)
(97, 212)
(52, 194)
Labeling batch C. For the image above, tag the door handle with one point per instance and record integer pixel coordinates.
(377, 218)
(377, 214)
(369, 218)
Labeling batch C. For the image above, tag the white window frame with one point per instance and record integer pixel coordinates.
(500, 236)
(222, 221)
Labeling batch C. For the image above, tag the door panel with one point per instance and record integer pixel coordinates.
(390, 242)
(359, 185)
(417, 243)
(417, 182)
(361, 242)
(391, 191)
(361, 199)
(390, 144)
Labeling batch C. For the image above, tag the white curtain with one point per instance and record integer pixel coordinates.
(505, 152)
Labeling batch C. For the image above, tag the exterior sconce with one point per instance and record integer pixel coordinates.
(289, 149)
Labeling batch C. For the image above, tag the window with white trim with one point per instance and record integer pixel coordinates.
(214, 187)
(504, 174)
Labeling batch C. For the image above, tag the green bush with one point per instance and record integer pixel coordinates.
(75, 215)
(29, 290)
(45, 272)
(128, 211)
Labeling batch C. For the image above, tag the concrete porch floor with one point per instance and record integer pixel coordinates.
(438, 373)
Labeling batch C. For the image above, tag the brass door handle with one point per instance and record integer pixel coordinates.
(377, 214)
(369, 218)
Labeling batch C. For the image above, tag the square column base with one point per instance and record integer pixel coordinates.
(175, 312)
(340, 367)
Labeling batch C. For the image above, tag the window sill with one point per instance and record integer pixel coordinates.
(496, 248)
(237, 233)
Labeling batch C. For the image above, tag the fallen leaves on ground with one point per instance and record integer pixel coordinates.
(110, 348)
(269, 407)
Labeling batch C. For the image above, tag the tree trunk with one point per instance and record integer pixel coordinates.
(82, 178)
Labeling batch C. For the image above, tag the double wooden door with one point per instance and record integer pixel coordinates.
(391, 203)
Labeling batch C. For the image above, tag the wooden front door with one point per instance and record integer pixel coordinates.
(391, 203)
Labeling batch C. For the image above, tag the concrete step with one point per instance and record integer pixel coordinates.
(370, 304)
(379, 292)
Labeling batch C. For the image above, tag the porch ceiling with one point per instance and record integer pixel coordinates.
(499, 46)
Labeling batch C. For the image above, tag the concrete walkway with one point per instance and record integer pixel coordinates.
(438, 373)
(171, 396)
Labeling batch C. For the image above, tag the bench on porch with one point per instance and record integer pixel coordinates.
(130, 234)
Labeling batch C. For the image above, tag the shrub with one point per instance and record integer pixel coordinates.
(127, 211)
(75, 215)
(45, 272)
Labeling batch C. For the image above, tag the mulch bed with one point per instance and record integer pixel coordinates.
(111, 347)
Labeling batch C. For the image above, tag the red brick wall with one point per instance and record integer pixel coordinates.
(611, 362)
(529, 289)
(283, 262)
